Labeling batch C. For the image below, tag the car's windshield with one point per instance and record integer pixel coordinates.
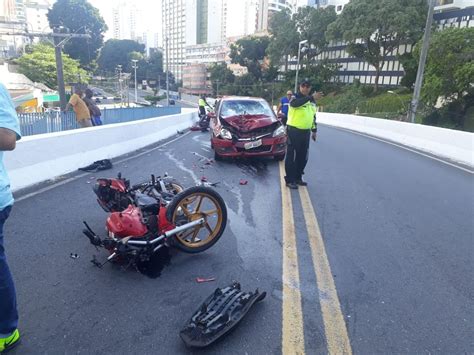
(245, 107)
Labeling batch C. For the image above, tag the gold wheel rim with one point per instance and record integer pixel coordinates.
(176, 188)
(190, 236)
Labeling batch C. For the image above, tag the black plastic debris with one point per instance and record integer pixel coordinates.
(74, 256)
(98, 165)
(219, 313)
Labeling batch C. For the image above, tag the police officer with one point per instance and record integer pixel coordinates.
(301, 126)
(202, 105)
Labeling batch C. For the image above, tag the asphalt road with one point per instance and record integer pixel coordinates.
(396, 233)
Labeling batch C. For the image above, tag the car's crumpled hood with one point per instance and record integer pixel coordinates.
(247, 123)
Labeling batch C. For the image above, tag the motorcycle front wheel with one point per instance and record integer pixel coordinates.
(192, 204)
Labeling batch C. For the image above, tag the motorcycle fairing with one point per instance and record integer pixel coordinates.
(219, 313)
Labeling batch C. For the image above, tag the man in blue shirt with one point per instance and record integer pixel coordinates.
(283, 106)
(9, 134)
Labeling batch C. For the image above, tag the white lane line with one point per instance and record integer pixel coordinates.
(54, 185)
(406, 148)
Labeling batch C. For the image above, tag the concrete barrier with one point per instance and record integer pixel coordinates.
(46, 156)
(450, 144)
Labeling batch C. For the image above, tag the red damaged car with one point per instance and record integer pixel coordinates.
(247, 127)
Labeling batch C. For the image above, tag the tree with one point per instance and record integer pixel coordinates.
(374, 28)
(449, 68)
(221, 75)
(312, 25)
(39, 65)
(284, 40)
(250, 52)
(410, 67)
(117, 52)
(78, 16)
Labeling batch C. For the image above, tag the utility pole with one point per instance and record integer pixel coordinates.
(422, 62)
(58, 44)
(135, 66)
(167, 74)
(60, 73)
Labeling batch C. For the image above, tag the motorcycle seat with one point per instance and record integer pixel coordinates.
(147, 204)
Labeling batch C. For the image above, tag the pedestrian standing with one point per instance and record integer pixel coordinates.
(284, 105)
(301, 126)
(94, 110)
(9, 134)
(83, 115)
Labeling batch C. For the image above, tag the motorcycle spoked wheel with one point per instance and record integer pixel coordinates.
(190, 205)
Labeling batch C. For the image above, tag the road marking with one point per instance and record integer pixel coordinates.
(54, 185)
(292, 324)
(334, 325)
(406, 148)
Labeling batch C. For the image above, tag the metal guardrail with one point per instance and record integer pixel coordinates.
(49, 122)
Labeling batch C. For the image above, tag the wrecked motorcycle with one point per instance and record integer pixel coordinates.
(116, 194)
(192, 222)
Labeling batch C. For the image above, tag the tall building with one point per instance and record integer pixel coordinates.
(12, 20)
(36, 15)
(125, 21)
(189, 23)
(266, 9)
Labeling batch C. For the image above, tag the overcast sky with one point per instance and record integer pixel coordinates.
(152, 14)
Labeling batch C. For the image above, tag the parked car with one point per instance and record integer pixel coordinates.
(247, 127)
(171, 102)
(117, 98)
(97, 100)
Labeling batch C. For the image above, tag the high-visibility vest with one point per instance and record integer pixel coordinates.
(302, 117)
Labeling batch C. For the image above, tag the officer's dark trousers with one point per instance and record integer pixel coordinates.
(297, 153)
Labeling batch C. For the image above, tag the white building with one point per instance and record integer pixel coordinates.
(12, 20)
(448, 13)
(125, 21)
(36, 15)
(266, 9)
(188, 23)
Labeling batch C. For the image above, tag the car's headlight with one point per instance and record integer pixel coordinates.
(280, 131)
(225, 134)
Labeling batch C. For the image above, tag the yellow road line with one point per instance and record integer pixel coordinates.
(334, 325)
(292, 325)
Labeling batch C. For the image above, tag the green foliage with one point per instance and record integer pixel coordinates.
(285, 38)
(117, 52)
(381, 25)
(449, 68)
(312, 25)
(410, 66)
(78, 16)
(39, 65)
(220, 75)
(250, 52)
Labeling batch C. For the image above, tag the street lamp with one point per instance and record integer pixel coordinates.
(135, 66)
(167, 73)
(298, 65)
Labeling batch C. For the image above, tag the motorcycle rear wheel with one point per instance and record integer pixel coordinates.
(192, 204)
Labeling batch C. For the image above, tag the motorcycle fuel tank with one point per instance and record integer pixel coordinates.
(127, 223)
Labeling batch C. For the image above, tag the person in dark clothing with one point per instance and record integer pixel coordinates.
(301, 127)
(93, 109)
(284, 106)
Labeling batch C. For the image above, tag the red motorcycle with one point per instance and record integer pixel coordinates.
(192, 221)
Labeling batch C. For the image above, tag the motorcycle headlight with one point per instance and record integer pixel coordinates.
(225, 134)
(280, 131)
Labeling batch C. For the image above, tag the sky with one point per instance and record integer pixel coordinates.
(152, 14)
